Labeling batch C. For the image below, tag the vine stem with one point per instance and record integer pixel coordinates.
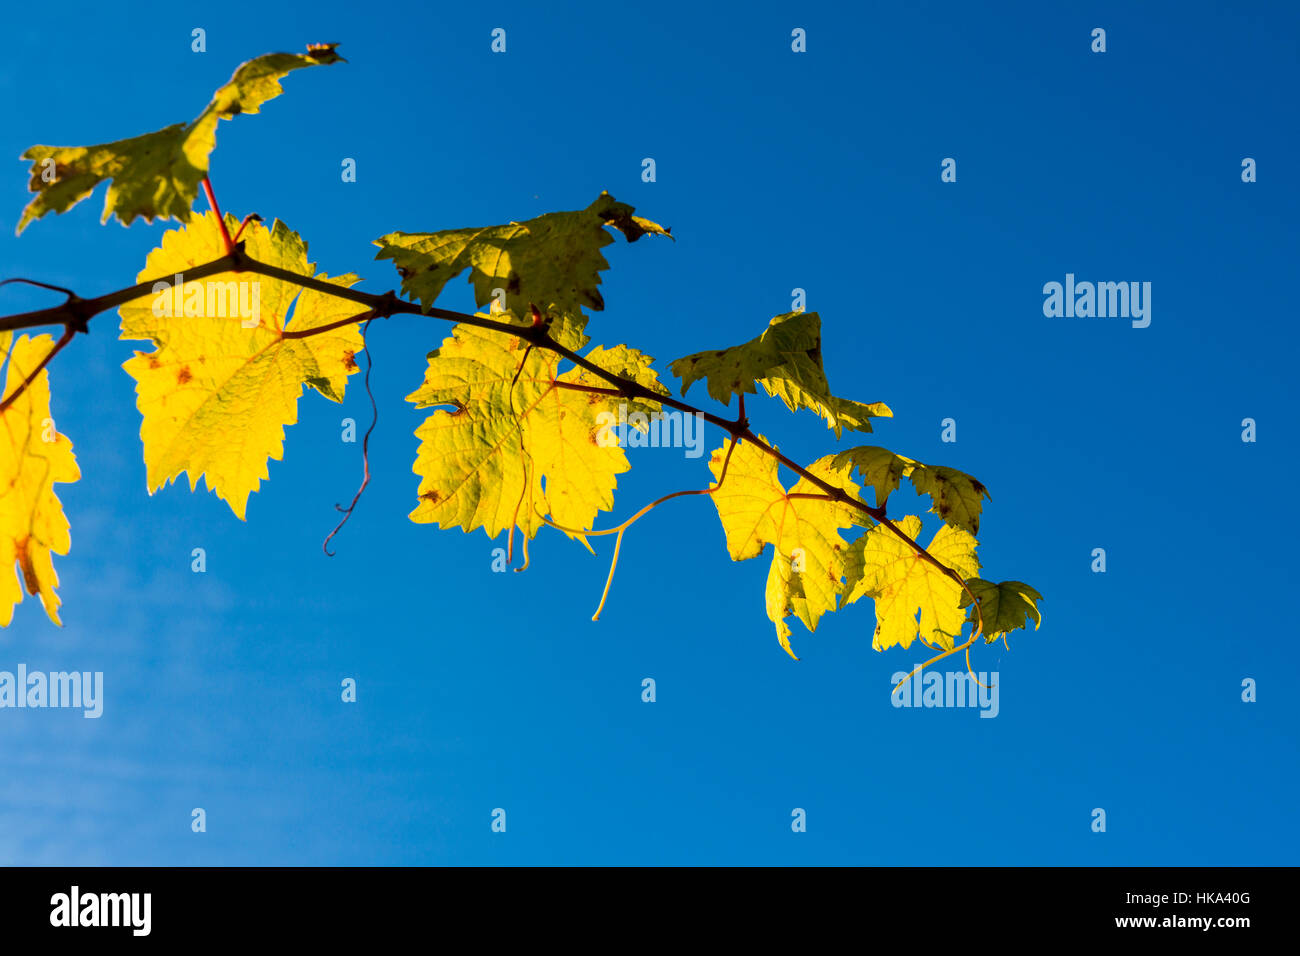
(76, 312)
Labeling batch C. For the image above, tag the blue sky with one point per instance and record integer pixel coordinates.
(775, 170)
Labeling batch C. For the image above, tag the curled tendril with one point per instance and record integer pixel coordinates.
(920, 667)
(620, 529)
(960, 647)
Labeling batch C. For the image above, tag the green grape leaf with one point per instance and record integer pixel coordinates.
(807, 571)
(553, 262)
(879, 467)
(882, 566)
(955, 496)
(1003, 607)
(157, 175)
(516, 444)
(787, 360)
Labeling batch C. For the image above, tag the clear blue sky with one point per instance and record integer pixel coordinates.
(775, 170)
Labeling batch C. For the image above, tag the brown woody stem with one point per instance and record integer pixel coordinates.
(76, 312)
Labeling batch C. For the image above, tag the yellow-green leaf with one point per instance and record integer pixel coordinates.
(1003, 607)
(883, 567)
(517, 444)
(224, 380)
(553, 262)
(33, 457)
(157, 175)
(955, 496)
(787, 360)
(879, 467)
(801, 524)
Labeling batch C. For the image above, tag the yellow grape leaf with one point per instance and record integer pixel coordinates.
(955, 496)
(883, 567)
(224, 380)
(787, 361)
(553, 262)
(516, 443)
(33, 457)
(785, 595)
(1003, 607)
(630, 364)
(157, 175)
(806, 575)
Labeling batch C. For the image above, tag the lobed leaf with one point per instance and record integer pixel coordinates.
(157, 175)
(220, 386)
(955, 496)
(807, 572)
(787, 361)
(33, 458)
(1004, 607)
(879, 467)
(517, 445)
(553, 262)
(883, 567)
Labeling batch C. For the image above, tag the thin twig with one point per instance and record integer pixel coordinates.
(43, 285)
(64, 339)
(365, 446)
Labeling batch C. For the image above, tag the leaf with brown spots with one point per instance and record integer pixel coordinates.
(33, 457)
(955, 496)
(517, 444)
(157, 175)
(223, 382)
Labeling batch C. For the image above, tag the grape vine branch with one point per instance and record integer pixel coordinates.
(76, 312)
(898, 591)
